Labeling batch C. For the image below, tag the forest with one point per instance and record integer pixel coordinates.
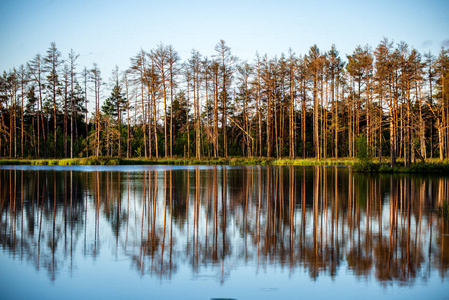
(315, 105)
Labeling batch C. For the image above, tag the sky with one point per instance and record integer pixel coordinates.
(110, 32)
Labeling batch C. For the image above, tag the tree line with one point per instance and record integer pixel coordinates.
(312, 105)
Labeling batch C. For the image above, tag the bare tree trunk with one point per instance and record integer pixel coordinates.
(292, 111)
(64, 128)
(22, 83)
(173, 58)
(215, 88)
(259, 107)
(392, 129)
(143, 119)
(164, 90)
(440, 139)
(187, 116)
(335, 117)
(127, 115)
(85, 72)
(315, 117)
(73, 58)
(269, 115)
(422, 139)
(155, 125)
(275, 115)
(303, 117)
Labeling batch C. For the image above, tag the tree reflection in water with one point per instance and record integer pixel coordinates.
(217, 218)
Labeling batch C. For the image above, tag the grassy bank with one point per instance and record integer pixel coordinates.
(62, 162)
(178, 161)
(433, 166)
(238, 161)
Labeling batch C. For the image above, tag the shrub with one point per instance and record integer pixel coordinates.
(363, 153)
(443, 210)
(366, 167)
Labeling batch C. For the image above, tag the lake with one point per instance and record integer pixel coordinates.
(221, 232)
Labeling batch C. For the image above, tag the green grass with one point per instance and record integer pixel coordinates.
(433, 167)
(62, 162)
(178, 161)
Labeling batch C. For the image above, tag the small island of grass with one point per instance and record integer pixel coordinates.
(440, 167)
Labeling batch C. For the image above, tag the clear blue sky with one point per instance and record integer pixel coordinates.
(110, 32)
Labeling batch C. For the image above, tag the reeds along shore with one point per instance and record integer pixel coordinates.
(178, 161)
(433, 166)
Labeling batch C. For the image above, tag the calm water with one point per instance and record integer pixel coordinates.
(249, 232)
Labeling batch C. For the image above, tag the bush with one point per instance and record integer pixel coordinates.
(444, 210)
(366, 167)
(363, 153)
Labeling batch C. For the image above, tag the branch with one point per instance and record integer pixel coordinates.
(241, 128)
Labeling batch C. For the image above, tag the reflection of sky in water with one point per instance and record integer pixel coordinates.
(258, 262)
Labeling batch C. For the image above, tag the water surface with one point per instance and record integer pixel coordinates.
(240, 232)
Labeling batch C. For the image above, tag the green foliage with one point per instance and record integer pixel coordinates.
(435, 168)
(443, 210)
(138, 152)
(115, 103)
(363, 153)
(366, 167)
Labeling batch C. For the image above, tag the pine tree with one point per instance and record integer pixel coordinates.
(52, 63)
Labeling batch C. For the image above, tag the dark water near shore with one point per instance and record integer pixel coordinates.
(250, 232)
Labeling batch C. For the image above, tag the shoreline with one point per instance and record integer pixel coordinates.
(432, 166)
(179, 161)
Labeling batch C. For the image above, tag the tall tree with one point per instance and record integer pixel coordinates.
(35, 67)
(194, 64)
(430, 75)
(292, 70)
(227, 62)
(442, 86)
(23, 81)
(53, 61)
(85, 74)
(214, 69)
(66, 86)
(95, 74)
(160, 57)
(244, 96)
(173, 59)
(335, 66)
(314, 61)
(32, 111)
(385, 77)
(72, 60)
(138, 69)
(114, 105)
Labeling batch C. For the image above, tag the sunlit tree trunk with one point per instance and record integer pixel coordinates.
(66, 91)
(292, 129)
(72, 57)
(35, 67)
(173, 58)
